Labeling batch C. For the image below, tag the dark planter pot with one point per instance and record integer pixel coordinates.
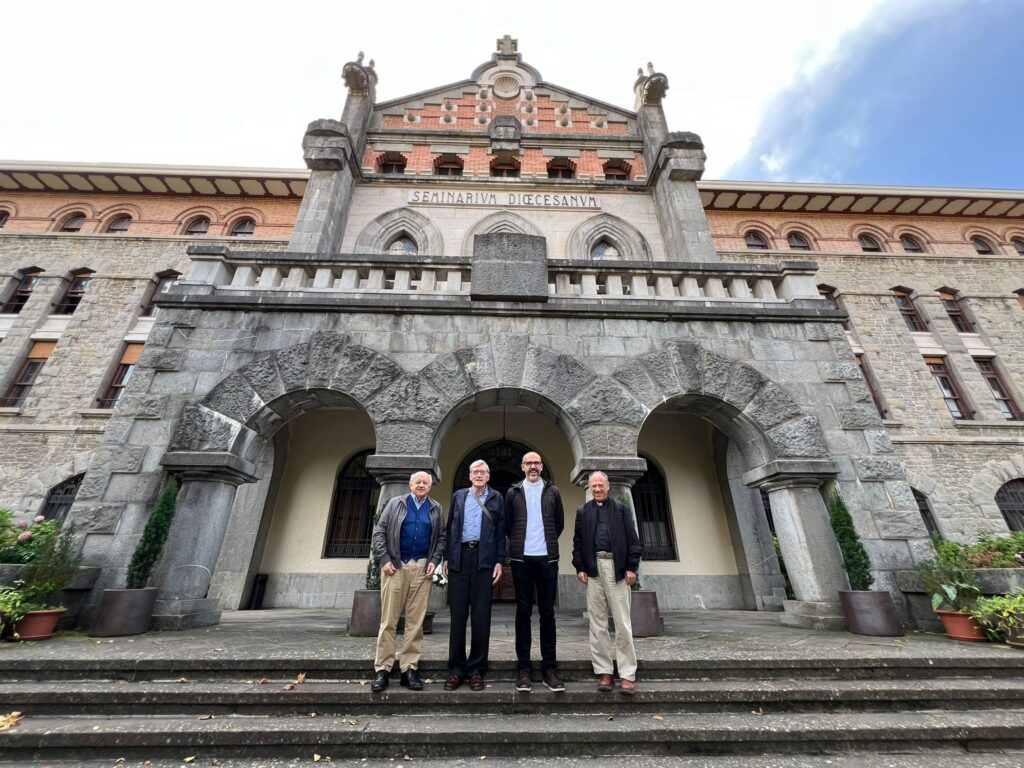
(870, 613)
(365, 618)
(38, 625)
(124, 612)
(962, 626)
(644, 613)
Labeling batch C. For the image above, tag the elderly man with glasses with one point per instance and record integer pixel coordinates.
(473, 562)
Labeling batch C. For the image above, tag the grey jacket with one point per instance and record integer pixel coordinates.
(388, 531)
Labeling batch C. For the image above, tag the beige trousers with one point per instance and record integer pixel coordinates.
(408, 588)
(606, 596)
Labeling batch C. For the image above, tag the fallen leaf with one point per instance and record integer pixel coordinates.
(407, 758)
(316, 758)
(312, 714)
(205, 717)
(119, 761)
(182, 679)
(288, 687)
(758, 711)
(95, 727)
(190, 759)
(352, 722)
(261, 681)
(658, 717)
(220, 649)
(9, 720)
(300, 678)
(363, 682)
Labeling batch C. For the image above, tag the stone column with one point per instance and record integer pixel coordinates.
(809, 548)
(196, 536)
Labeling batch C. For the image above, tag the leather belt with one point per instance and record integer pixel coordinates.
(604, 555)
(471, 544)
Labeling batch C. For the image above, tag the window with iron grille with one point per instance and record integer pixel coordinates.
(869, 244)
(355, 499)
(755, 240)
(26, 377)
(561, 168)
(73, 223)
(1010, 499)
(947, 386)
(926, 513)
(73, 296)
(1007, 405)
(198, 227)
(869, 379)
(956, 313)
(120, 225)
(60, 498)
(22, 291)
(149, 309)
(244, 228)
(654, 515)
(123, 374)
(403, 244)
(909, 312)
(798, 242)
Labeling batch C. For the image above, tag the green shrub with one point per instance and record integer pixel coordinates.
(151, 544)
(22, 540)
(51, 569)
(950, 584)
(855, 557)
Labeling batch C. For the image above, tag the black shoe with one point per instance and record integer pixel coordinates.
(380, 682)
(552, 682)
(411, 680)
(523, 684)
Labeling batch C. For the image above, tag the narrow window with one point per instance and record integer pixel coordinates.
(122, 375)
(73, 223)
(603, 249)
(392, 163)
(755, 240)
(1018, 244)
(60, 498)
(561, 168)
(911, 244)
(653, 515)
(22, 384)
(828, 293)
(149, 309)
(448, 165)
(120, 225)
(982, 246)
(798, 242)
(950, 392)
(22, 291)
(869, 379)
(926, 513)
(198, 227)
(1010, 500)
(403, 244)
(4, 216)
(869, 244)
(616, 170)
(956, 313)
(351, 521)
(505, 166)
(909, 312)
(243, 228)
(73, 296)
(1001, 393)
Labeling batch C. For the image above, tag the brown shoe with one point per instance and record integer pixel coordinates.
(452, 683)
(605, 683)
(476, 683)
(627, 687)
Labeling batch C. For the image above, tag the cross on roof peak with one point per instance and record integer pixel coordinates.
(508, 44)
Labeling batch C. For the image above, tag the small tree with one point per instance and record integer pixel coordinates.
(855, 557)
(151, 545)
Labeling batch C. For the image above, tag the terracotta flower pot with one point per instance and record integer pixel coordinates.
(38, 625)
(960, 625)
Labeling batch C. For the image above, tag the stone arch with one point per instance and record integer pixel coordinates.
(629, 241)
(942, 506)
(984, 485)
(38, 485)
(502, 221)
(379, 233)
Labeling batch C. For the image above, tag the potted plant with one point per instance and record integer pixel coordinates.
(129, 611)
(31, 607)
(955, 587)
(1002, 617)
(867, 612)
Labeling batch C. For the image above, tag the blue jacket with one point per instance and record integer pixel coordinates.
(492, 536)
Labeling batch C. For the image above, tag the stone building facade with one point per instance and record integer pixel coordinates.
(497, 265)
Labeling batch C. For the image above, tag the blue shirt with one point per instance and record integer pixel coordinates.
(535, 543)
(414, 540)
(471, 515)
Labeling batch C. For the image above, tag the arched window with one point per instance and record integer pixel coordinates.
(243, 228)
(403, 244)
(198, 227)
(911, 244)
(561, 168)
(869, 244)
(755, 240)
(355, 499)
(4, 216)
(653, 514)
(603, 249)
(982, 246)
(60, 498)
(120, 225)
(926, 513)
(798, 242)
(1010, 499)
(1018, 243)
(73, 223)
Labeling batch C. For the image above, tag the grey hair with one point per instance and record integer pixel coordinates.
(479, 463)
(598, 472)
(422, 472)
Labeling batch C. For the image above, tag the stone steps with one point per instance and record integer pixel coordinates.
(423, 734)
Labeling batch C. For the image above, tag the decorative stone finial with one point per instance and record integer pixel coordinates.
(359, 78)
(359, 58)
(650, 88)
(508, 45)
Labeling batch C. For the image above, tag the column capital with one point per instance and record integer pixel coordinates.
(214, 466)
(621, 470)
(791, 473)
(397, 468)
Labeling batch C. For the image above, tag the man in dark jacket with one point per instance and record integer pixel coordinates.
(606, 555)
(535, 521)
(473, 561)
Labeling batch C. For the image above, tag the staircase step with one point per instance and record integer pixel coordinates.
(425, 734)
(352, 697)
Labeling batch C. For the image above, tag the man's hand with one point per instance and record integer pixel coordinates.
(389, 568)
(444, 568)
(497, 573)
(630, 578)
(582, 576)
(430, 569)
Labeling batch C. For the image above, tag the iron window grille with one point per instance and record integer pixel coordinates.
(355, 498)
(1010, 500)
(60, 498)
(653, 515)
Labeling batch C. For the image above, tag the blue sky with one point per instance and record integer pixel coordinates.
(931, 97)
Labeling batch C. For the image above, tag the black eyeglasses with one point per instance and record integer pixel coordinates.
(533, 463)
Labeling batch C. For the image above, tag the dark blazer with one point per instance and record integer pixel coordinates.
(492, 537)
(551, 513)
(625, 542)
